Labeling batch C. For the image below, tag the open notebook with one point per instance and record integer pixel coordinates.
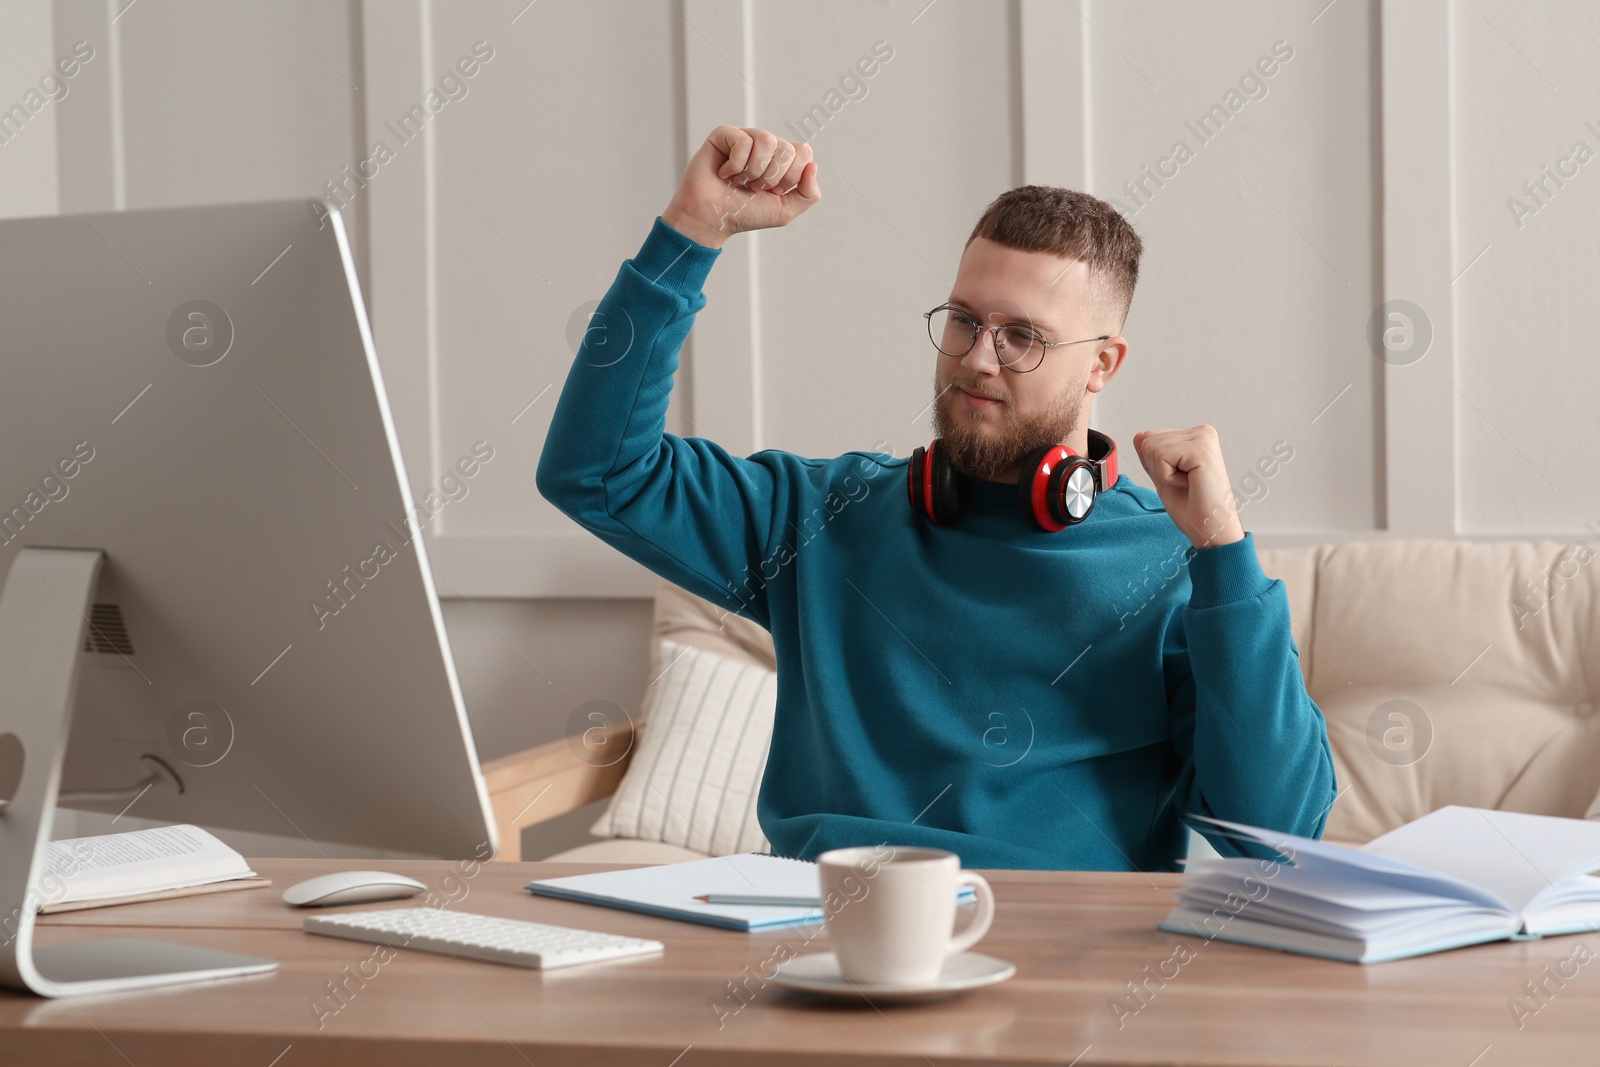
(1457, 876)
(670, 889)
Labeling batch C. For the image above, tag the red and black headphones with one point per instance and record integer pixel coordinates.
(1057, 487)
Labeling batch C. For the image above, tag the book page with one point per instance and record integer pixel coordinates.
(1321, 859)
(1348, 887)
(1513, 855)
(137, 861)
(1360, 863)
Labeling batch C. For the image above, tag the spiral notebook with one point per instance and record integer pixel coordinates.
(670, 889)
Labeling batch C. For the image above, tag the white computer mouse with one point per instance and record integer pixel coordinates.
(351, 887)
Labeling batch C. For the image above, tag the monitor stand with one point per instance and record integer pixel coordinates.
(44, 610)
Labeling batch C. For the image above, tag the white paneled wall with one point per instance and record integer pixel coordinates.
(1291, 166)
(1261, 245)
(1527, 112)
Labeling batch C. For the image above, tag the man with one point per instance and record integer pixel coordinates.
(1026, 688)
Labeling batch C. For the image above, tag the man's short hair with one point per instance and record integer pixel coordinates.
(1074, 225)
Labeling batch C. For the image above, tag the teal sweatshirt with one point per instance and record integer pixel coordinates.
(1025, 699)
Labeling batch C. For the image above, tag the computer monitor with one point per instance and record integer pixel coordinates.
(212, 560)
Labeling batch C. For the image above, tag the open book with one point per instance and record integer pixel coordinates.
(1457, 876)
(166, 861)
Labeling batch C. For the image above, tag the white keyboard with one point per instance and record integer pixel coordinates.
(479, 937)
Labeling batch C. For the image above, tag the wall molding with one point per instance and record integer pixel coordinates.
(575, 564)
(402, 298)
(1307, 538)
(1054, 95)
(722, 355)
(724, 350)
(91, 170)
(1419, 402)
(580, 565)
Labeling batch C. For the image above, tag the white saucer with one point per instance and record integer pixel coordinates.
(818, 972)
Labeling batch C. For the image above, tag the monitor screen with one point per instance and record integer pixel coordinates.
(195, 392)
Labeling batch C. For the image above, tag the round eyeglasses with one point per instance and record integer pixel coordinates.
(1018, 346)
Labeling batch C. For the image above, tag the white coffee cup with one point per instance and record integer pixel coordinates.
(891, 910)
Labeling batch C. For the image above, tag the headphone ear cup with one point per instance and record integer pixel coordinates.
(1071, 493)
(914, 479)
(932, 485)
(1036, 507)
(946, 488)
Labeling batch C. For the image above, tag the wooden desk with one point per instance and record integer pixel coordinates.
(1076, 938)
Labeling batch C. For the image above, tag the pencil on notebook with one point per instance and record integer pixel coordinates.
(782, 902)
(742, 898)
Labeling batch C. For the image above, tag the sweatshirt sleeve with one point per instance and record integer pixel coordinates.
(1253, 743)
(683, 507)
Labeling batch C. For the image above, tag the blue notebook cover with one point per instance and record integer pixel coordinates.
(669, 890)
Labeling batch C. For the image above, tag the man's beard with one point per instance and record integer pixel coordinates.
(992, 453)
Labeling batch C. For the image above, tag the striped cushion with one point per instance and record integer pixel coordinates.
(694, 779)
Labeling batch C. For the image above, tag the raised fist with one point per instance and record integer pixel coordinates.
(742, 179)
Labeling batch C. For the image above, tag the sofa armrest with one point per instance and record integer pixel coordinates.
(528, 787)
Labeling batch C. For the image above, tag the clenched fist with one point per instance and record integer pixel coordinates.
(1186, 467)
(742, 179)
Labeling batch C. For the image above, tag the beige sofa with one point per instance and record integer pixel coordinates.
(1450, 672)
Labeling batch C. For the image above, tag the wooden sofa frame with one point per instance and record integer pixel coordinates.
(539, 783)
